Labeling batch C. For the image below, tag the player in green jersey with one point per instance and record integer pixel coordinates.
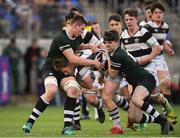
(143, 83)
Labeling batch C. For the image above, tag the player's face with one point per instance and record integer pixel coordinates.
(114, 25)
(96, 28)
(110, 45)
(148, 14)
(130, 22)
(79, 29)
(68, 70)
(157, 15)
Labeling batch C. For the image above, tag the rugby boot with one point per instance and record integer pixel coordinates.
(27, 127)
(76, 127)
(116, 130)
(67, 130)
(143, 126)
(101, 115)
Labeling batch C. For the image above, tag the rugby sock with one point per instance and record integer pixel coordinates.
(114, 114)
(146, 107)
(69, 111)
(40, 106)
(150, 110)
(147, 118)
(76, 116)
(168, 108)
(85, 110)
(121, 102)
(168, 97)
(98, 105)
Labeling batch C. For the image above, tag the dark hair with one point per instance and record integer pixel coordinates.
(115, 17)
(74, 9)
(78, 18)
(148, 7)
(157, 6)
(131, 12)
(69, 16)
(111, 35)
(59, 62)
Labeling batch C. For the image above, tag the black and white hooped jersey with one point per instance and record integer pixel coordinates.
(160, 33)
(140, 43)
(90, 38)
(143, 23)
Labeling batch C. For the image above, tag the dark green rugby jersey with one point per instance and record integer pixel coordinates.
(127, 66)
(60, 42)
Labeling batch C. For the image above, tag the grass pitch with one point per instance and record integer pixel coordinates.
(50, 124)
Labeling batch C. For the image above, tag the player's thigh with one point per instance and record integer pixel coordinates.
(110, 88)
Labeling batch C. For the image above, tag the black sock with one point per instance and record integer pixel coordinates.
(76, 116)
(85, 111)
(147, 118)
(69, 111)
(37, 110)
(121, 102)
(146, 107)
(160, 119)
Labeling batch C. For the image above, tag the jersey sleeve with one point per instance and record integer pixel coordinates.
(116, 61)
(149, 38)
(89, 37)
(61, 43)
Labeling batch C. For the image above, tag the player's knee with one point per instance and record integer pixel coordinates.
(165, 82)
(51, 90)
(136, 101)
(51, 86)
(106, 97)
(72, 92)
(71, 87)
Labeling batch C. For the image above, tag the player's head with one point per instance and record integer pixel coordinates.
(157, 10)
(131, 18)
(111, 39)
(61, 64)
(78, 24)
(69, 17)
(96, 28)
(148, 14)
(74, 9)
(115, 22)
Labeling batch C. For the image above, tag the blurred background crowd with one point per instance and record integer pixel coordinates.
(26, 30)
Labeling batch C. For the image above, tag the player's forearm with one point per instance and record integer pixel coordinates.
(147, 58)
(82, 61)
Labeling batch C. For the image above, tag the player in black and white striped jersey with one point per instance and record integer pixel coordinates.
(147, 16)
(160, 30)
(139, 42)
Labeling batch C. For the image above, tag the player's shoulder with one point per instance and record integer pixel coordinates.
(165, 25)
(124, 33)
(143, 29)
(60, 35)
(142, 23)
(119, 52)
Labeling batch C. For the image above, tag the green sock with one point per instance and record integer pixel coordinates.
(168, 108)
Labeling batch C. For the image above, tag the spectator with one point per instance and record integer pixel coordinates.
(40, 62)
(30, 60)
(14, 55)
(36, 21)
